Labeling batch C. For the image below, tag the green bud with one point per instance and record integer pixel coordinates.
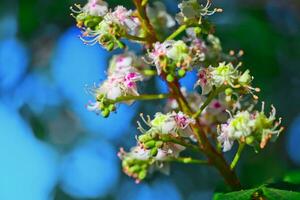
(111, 107)
(134, 168)
(120, 44)
(159, 144)
(142, 175)
(249, 140)
(110, 46)
(197, 31)
(105, 113)
(81, 17)
(150, 144)
(170, 78)
(153, 151)
(181, 73)
(145, 137)
(228, 91)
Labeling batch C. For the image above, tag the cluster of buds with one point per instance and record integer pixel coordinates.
(214, 113)
(226, 76)
(121, 81)
(172, 57)
(154, 145)
(104, 26)
(191, 12)
(253, 128)
(170, 123)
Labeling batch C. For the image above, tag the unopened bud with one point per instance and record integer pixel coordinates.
(153, 152)
(181, 73)
(105, 113)
(170, 78)
(150, 144)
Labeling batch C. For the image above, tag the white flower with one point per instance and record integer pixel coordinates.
(172, 123)
(96, 8)
(124, 18)
(253, 128)
(224, 138)
(224, 74)
(204, 80)
(170, 51)
(140, 153)
(192, 10)
(164, 123)
(159, 16)
(158, 52)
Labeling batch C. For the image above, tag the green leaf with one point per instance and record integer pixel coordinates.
(239, 195)
(292, 177)
(262, 192)
(276, 194)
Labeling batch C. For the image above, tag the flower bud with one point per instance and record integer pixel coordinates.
(112, 107)
(170, 78)
(228, 92)
(249, 140)
(142, 175)
(144, 138)
(105, 113)
(153, 152)
(181, 72)
(159, 144)
(134, 168)
(150, 144)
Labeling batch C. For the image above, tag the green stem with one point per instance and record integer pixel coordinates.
(149, 72)
(141, 97)
(237, 156)
(210, 97)
(135, 38)
(187, 160)
(144, 3)
(168, 138)
(145, 22)
(179, 30)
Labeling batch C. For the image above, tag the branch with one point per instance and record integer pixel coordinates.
(145, 22)
(237, 155)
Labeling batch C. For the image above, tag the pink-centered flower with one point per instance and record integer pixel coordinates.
(96, 8)
(204, 81)
(182, 120)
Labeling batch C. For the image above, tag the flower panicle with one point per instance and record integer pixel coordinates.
(253, 128)
(121, 81)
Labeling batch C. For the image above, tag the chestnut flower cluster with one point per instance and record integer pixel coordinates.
(219, 111)
(157, 145)
(102, 25)
(122, 78)
(252, 128)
